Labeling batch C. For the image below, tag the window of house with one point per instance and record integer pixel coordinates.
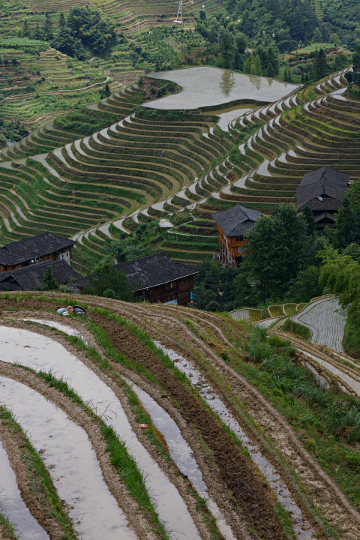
(238, 239)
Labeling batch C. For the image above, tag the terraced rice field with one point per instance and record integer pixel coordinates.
(145, 168)
(142, 168)
(57, 84)
(201, 469)
(128, 16)
(326, 321)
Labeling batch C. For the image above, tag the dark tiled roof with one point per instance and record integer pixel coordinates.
(327, 204)
(324, 181)
(325, 216)
(155, 270)
(31, 277)
(150, 271)
(236, 221)
(31, 247)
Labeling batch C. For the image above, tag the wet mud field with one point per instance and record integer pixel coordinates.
(147, 431)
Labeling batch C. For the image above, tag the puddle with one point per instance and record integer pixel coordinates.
(41, 352)
(71, 462)
(208, 86)
(69, 330)
(181, 453)
(301, 526)
(12, 505)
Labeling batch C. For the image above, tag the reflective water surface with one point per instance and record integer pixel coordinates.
(41, 352)
(71, 462)
(300, 525)
(208, 86)
(12, 505)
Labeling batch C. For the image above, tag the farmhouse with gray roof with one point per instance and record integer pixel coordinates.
(35, 249)
(323, 190)
(30, 278)
(157, 278)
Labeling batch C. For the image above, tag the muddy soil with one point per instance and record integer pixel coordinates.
(251, 493)
(40, 508)
(216, 487)
(81, 417)
(166, 325)
(169, 468)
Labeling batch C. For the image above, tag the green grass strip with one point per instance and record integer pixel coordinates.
(41, 483)
(119, 455)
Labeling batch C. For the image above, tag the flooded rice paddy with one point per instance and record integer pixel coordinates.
(208, 87)
(300, 525)
(12, 505)
(326, 321)
(246, 315)
(181, 453)
(69, 330)
(42, 353)
(71, 462)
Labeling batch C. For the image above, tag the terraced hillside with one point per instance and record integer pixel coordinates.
(180, 167)
(128, 16)
(216, 463)
(40, 87)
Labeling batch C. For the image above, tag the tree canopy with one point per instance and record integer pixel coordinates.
(111, 281)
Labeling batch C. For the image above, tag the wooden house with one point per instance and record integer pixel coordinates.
(232, 225)
(30, 278)
(35, 250)
(156, 278)
(323, 190)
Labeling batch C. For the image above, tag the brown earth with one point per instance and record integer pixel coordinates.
(83, 419)
(167, 325)
(216, 487)
(251, 493)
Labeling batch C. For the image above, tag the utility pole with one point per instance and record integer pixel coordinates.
(179, 18)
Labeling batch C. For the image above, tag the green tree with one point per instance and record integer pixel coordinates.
(240, 42)
(62, 20)
(341, 274)
(276, 252)
(305, 286)
(256, 68)
(320, 65)
(107, 91)
(353, 251)
(49, 283)
(2, 140)
(356, 66)
(344, 224)
(26, 29)
(107, 278)
(226, 50)
(317, 36)
(310, 220)
(48, 31)
(38, 32)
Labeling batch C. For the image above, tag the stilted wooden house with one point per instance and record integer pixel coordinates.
(232, 225)
(323, 190)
